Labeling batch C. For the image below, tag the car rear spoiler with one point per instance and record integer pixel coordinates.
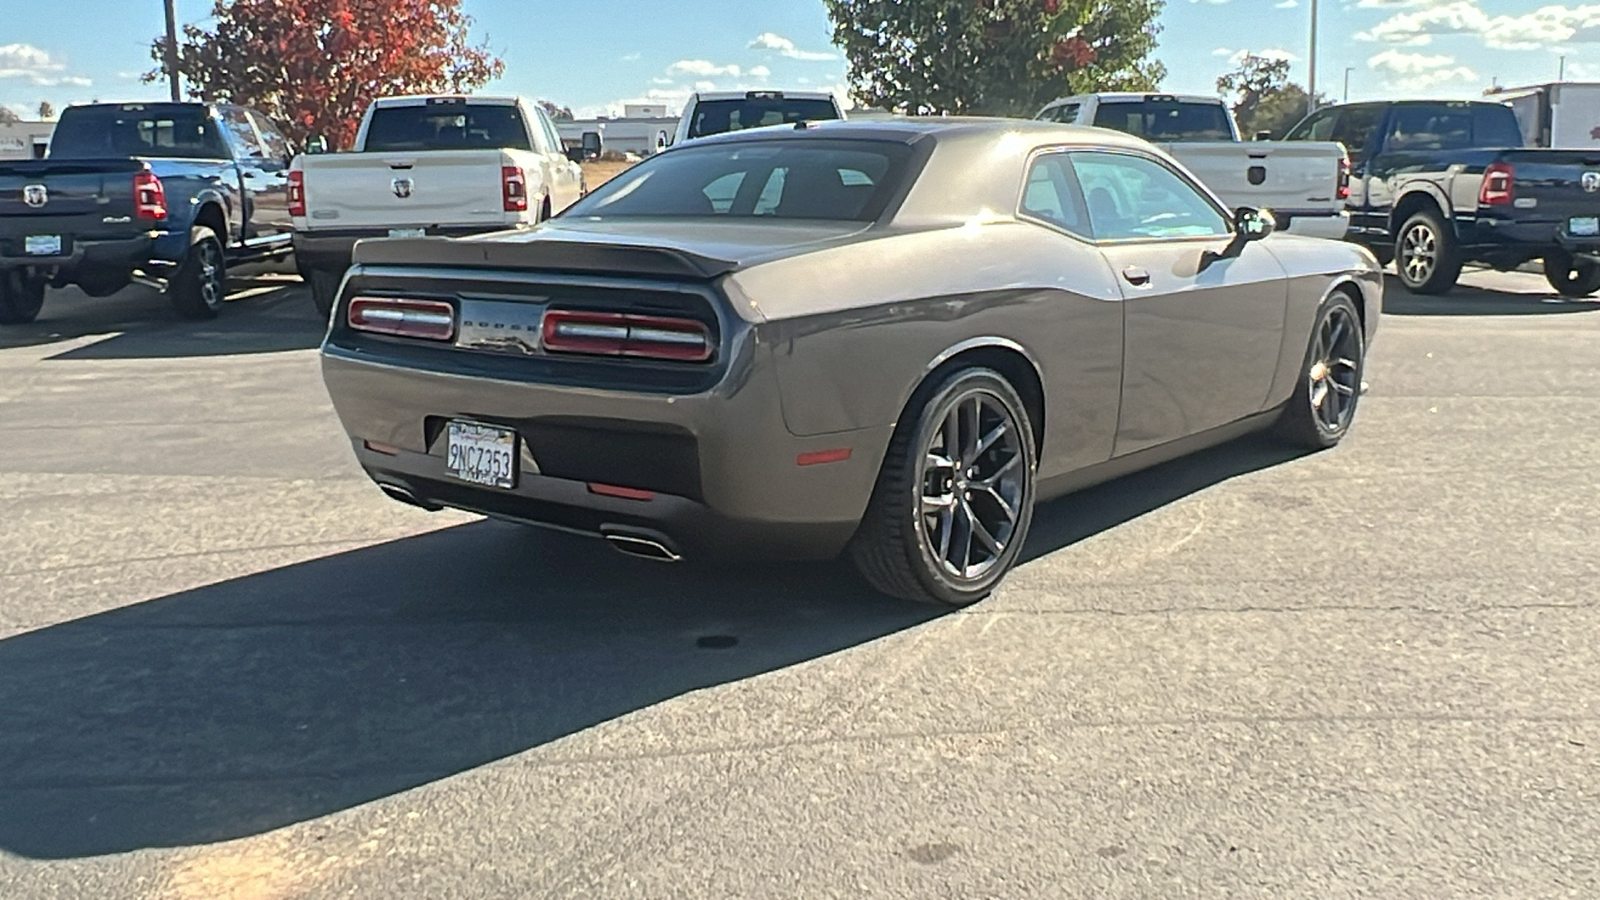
(541, 255)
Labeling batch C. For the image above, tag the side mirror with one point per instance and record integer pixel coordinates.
(1263, 136)
(1248, 225)
(316, 144)
(591, 144)
(661, 141)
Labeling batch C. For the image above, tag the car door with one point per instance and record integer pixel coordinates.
(565, 176)
(272, 196)
(255, 177)
(1201, 334)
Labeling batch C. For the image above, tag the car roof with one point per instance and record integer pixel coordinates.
(740, 95)
(910, 129)
(1131, 96)
(422, 100)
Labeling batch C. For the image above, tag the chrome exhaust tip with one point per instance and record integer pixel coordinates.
(396, 492)
(641, 546)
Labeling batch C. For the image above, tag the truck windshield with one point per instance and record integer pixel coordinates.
(774, 179)
(157, 131)
(1166, 121)
(720, 116)
(446, 126)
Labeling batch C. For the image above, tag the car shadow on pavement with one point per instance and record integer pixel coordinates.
(262, 315)
(1466, 300)
(276, 698)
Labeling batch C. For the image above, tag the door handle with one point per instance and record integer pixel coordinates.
(1136, 276)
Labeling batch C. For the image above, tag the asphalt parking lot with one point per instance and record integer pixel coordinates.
(230, 668)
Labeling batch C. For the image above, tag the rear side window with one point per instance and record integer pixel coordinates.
(721, 116)
(1355, 126)
(446, 126)
(1066, 113)
(778, 179)
(100, 132)
(1166, 121)
(1495, 126)
(1051, 195)
(1430, 128)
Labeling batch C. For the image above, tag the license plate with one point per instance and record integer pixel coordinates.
(482, 454)
(408, 232)
(42, 244)
(1585, 226)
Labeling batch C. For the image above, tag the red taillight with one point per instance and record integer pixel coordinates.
(1499, 185)
(431, 320)
(149, 197)
(514, 189)
(1344, 178)
(297, 193)
(625, 334)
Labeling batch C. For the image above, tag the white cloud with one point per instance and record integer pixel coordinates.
(1531, 31)
(760, 72)
(1419, 72)
(781, 45)
(1237, 57)
(1286, 4)
(1223, 51)
(701, 67)
(37, 66)
(633, 57)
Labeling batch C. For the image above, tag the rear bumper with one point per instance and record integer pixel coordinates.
(117, 254)
(1530, 239)
(330, 250)
(721, 465)
(1332, 226)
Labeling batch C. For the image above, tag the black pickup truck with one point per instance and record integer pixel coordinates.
(1438, 184)
(168, 194)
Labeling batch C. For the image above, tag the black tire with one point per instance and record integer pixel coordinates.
(1384, 254)
(20, 298)
(898, 547)
(1426, 256)
(200, 285)
(1571, 277)
(324, 290)
(1335, 362)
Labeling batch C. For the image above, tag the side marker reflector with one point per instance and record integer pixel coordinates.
(821, 457)
(625, 493)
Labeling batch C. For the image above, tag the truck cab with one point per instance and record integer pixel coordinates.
(718, 112)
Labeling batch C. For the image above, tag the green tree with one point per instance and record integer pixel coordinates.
(1266, 100)
(557, 113)
(996, 57)
(315, 65)
(46, 111)
(7, 117)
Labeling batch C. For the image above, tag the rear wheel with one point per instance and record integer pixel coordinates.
(324, 290)
(1426, 257)
(1324, 402)
(1571, 277)
(954, 499)
(201, 282)
(21, 298)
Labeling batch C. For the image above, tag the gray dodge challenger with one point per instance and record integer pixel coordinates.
(884, 339)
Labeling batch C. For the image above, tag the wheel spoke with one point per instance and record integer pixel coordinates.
(931, 505)
(1340, 388)
(982, 533)
(989, 440)
(1343, 363)
(970, 412)
(947, 524)
(992, 480)
(1010, 514)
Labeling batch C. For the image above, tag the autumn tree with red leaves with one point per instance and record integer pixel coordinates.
(993, 57)
(315, 65)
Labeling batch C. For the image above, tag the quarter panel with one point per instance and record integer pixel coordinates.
(855, 329)
(1315, 268)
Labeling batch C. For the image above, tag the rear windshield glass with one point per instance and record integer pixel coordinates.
(99, 132)
(777, 179)
(719, 116)
(1167, 121)
(454, 126)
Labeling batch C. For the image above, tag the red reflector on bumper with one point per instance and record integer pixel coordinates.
(385, 449)
(625, 493)
(819, 457)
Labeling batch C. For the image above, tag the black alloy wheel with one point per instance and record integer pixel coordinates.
(954, 500)
(1325, 399)
(200, 285)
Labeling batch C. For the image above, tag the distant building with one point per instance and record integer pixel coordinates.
(25, 140)
(642, 127)
(645, 111)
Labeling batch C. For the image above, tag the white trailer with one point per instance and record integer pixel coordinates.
(1563, 115)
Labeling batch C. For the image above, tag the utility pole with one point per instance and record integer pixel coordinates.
(1311, 80)
(1347, 71)
(1561, 69)
(172, 49)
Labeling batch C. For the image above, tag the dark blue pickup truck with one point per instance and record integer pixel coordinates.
(1438, 184)
(168, 194)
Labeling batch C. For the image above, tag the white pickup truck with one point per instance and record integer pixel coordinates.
(1304, 184)
(718, 112)
(445, 165)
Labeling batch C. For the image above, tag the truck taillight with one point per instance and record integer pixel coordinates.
(1344, 178)
(149, 197)
(514, 189)
(625, 334)
(1499, 185)
(432, 320)
(297, 193)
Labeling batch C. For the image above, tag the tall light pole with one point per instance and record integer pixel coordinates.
(1311, 80)
(1347, 71)
(172, 49)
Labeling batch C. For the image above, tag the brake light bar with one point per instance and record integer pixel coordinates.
(432, 320)
(297, 193)
(626, 334)
(149, 197)
(1344, 178)
(514, 189)
(1499, 185)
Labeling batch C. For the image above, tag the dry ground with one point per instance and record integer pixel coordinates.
(599, 172)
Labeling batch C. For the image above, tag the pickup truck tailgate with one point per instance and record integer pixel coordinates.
(1548, 185)
(404, 189)
(1284, 176)
(67, 199)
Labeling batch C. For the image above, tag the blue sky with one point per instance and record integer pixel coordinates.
(595, 54)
